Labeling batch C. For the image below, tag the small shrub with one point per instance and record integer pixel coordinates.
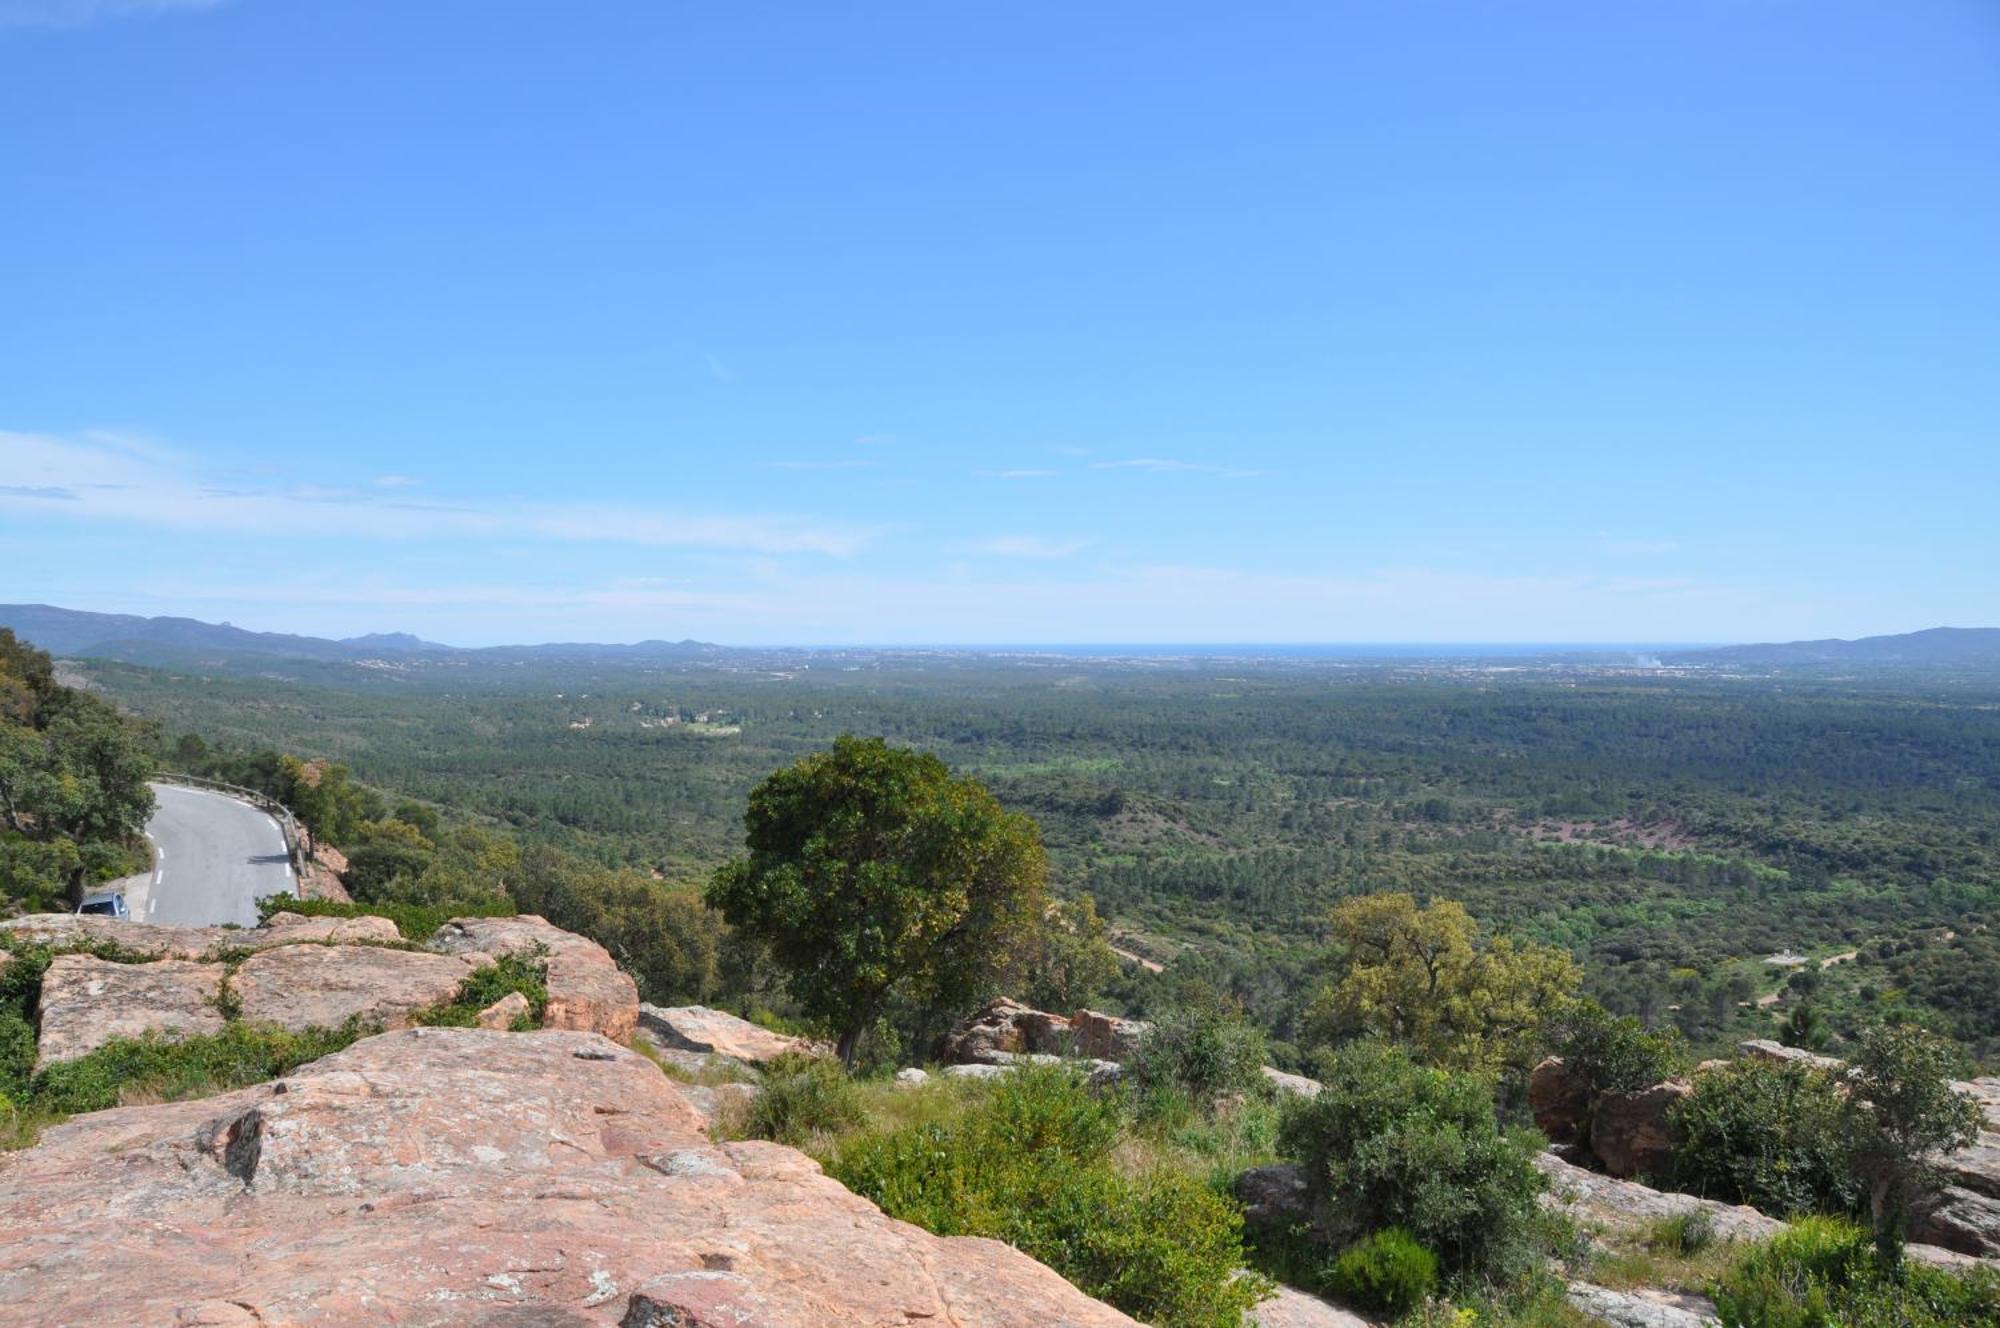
(1388, 1272)
(1823, 1272)
(527, 974)
(1771, 1136)
(1032, 1165)
(1200, 1051)
(188, 1067)
(803, 1096)
(1390, 1143)
(1684, 1234)
(1614, 1054)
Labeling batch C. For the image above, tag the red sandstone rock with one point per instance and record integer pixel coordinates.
(460, 1178)
(587, 989)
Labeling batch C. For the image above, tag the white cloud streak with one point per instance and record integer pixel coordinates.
(1028, 546)
(99, 478)
(75, 13)
(1167, 465)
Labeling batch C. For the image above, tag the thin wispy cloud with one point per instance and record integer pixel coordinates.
(1167, 465)
(117, 486)
(396, 481)
(876, 439)
(1626, 544)
(1028, 546)
(848, 463)
(718, 368)
(74, 13)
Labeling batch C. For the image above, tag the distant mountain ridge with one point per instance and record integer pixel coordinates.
(175, 642)
(189, 642)
(1930, 648)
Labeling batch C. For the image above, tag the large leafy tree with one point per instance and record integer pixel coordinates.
(1422, 976)
(1906, 1112)
(881, 881)
(72, 777)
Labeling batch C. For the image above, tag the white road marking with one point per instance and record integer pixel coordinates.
(160, 853)
(152, 906)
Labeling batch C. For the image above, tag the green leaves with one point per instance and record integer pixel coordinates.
(877, 878)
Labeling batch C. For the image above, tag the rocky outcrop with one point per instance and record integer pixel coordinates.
(86, 1002)
(1276, 1194)
(1777, 1053)
(1560, 1101)
(1644, 1308)
(1291, 1308)
(323, 986)
(1105, 1037)
(1630, 1132)
(587, 990)
(459, 1178)
(1593, 1196)
(1001, 1025)
(294, 928)
(696, 1028)
(143, 939)
(1960, 1219)
(1297, 1085)
(505, 1012)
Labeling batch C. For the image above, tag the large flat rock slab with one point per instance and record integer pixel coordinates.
(588, 992)
(154, 940)
(87, 1002)
(460, 1178)
(323, 986)
(696, 1028)
(1292, 1308)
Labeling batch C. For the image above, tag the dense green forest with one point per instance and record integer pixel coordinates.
(1670, 828)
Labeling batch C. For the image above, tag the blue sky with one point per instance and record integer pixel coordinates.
(993, 323)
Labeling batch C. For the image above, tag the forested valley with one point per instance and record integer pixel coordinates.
(1673, 830)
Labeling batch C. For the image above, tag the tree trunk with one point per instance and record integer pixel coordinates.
(850, 1042)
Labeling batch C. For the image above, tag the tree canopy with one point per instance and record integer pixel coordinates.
(1422, 976)
(73, 771)
(879, 879)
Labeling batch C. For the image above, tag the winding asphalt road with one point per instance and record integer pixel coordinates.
(213, 858)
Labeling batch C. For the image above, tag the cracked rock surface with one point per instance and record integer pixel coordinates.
(446, 1176)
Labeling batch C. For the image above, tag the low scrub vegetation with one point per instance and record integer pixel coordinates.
(1824, 1271)
(1034, 1163)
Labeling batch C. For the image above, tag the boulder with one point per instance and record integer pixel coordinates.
(503, 1013)
(995, 1026)
(976, 1071)
(1276, 1193)
(461, 1178)
(1629, 1132)
(1106, 1037)
(1763, 1049)
(698, 1029)
(1960, 1219)
(912, 1077)
(1594, 1197)
(1297, 1085)
(293, 928)
(1560, 1100)
(1291, 1308)
(86, 1002)
(150, 939)
(1645, 1307)
(323, 986)
(587, 989)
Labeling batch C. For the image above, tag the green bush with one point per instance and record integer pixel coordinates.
(1032, 1165)
(1390, 1143)
(1682, 1234)
(1199, 1050)
(416, 922)
(804, 1095)
(1771, 1136)
(1614, 1054)
(1388, 1272)
(1823, 1272)
(526, 974)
